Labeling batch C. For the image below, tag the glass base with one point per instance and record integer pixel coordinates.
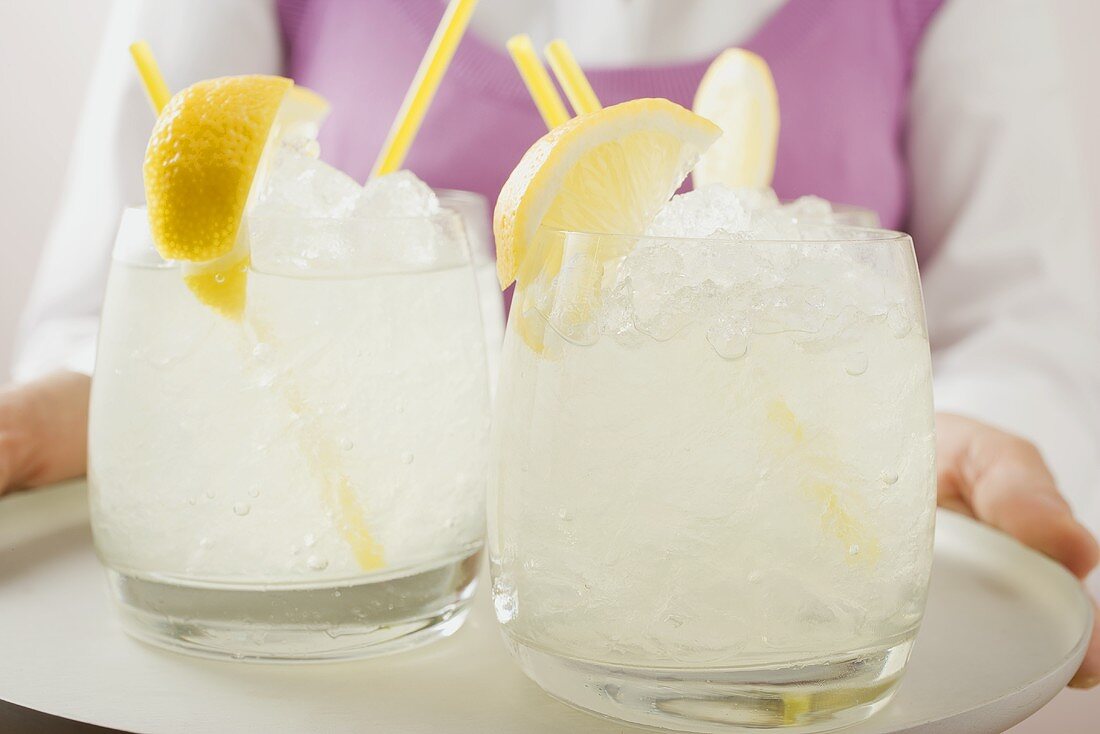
(275, 623)
(807, 696)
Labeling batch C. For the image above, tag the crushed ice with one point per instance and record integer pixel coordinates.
(310, 215)
(738, 262)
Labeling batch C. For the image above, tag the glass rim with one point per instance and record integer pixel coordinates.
(445, 214)
(133, 228)
(864, 236)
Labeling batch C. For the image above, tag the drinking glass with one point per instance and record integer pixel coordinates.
(306, 481)
(712, 485)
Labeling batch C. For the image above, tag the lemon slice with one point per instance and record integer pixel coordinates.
(824, 481)
(608, 171)
(205, 157)
(738, 93)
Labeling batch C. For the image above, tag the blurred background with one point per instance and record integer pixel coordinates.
(47, 48)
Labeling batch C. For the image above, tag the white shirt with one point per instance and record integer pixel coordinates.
(997, 186)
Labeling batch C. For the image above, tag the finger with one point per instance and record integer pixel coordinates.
(1088, 675)
(1015, 493)
(955, 504)
(5, 465)
(953, 436)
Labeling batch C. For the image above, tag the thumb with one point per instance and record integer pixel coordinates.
(1016, 494)
(1003, 481)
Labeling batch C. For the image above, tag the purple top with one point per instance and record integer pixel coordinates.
(842, 69)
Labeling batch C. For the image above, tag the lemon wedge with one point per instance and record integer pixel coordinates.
(738, 93)
(608, 171)
(204, 159)
(201, 161)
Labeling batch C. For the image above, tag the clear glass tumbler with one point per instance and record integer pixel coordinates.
(712, 485)
(306, 481)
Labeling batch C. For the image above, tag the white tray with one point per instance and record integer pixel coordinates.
(1004, 631)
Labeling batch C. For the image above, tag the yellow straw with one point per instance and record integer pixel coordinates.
(419, 97)
(539, 84)
(571, 78)
(150, 75)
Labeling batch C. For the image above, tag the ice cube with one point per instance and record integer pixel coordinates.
(808, 207)
(702, 213)
(299, 185)
(805, 218)
(399, 194)
(662, 299)
(757, 199)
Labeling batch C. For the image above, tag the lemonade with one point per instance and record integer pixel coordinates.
(287, 434)
(712, 481)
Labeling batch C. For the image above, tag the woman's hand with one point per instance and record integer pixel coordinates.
(1002, 480)
(43, 431)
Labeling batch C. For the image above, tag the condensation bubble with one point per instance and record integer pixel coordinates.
(729, 343)
(856, 363)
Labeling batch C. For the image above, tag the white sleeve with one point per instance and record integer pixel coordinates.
(999, 195)
(193, 40)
